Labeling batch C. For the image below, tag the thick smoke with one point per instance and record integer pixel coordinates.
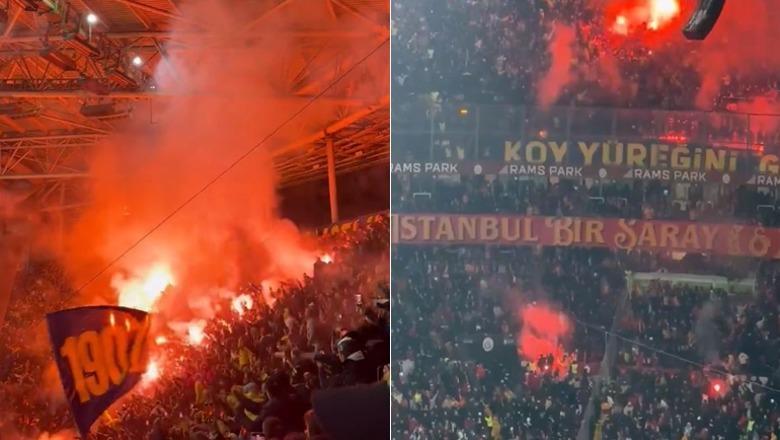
(740, 46)
(543, 333)
(559, 74)
(226, 86)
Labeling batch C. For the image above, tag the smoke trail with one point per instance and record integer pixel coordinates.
(559, 74)
(741, 45)
(707, 334)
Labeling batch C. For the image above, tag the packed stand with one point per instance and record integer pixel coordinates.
(691, 362)
(697, 362)
(447, 300)
(568, 197)
(258, 372)
(498, 51)
(24, 408)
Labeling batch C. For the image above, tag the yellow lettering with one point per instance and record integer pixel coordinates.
(511, 151)
(427, 225)
(637, 153)
(626, 238)
(528, 230)
(488, 229)
(444, 231)
(769, 164)
(536, 152)
(467, 228)
(594, 232)
(588, 151)
(408, 228)
(558, 151)
(647, 236)
(681, 158)
(690, 238)
(709, 236)
(669, 233)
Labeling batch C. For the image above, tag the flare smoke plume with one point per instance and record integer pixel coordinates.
(560, 73)
(225, 82)
(543, 333)
(740, 46)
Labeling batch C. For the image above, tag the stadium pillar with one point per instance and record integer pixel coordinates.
(332, 191)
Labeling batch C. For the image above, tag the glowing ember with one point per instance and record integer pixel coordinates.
(143, 292)
(327, 259)
(649, 14)
(195, 334)
(718, 388)
(152, 372)
(662, 12)
(621, 25)
(242, 303)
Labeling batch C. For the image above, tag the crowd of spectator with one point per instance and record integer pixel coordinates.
(569, 197)
(689, 362)
(269, 371)
(465, 80)
(713, 370)
(446, 385)
(499, 50)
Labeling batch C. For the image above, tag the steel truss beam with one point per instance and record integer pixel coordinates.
(59, 156)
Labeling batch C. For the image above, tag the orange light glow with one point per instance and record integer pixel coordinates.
(160, 340)
(652, 15)
(112, 319)
(143, 292)
(195, 333)
(662, 12)
(242, 303)
(327, 259)
(152, 372)
(621, 25)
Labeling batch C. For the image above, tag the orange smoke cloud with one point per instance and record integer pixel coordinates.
(740, 46)
(559, 74)
(225, 98)
(543, 333)
(143, 292)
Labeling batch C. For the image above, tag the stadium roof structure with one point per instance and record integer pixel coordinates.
(72, 70)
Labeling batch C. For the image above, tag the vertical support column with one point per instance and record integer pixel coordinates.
(332, 190)
(61, 218)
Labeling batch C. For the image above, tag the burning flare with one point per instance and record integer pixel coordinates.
(143, 292)
(542, 334)
(242, 303)
(662, 12)
(649, 14)
(195, 333)
(152, 372)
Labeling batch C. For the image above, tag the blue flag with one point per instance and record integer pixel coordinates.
(101, 354)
